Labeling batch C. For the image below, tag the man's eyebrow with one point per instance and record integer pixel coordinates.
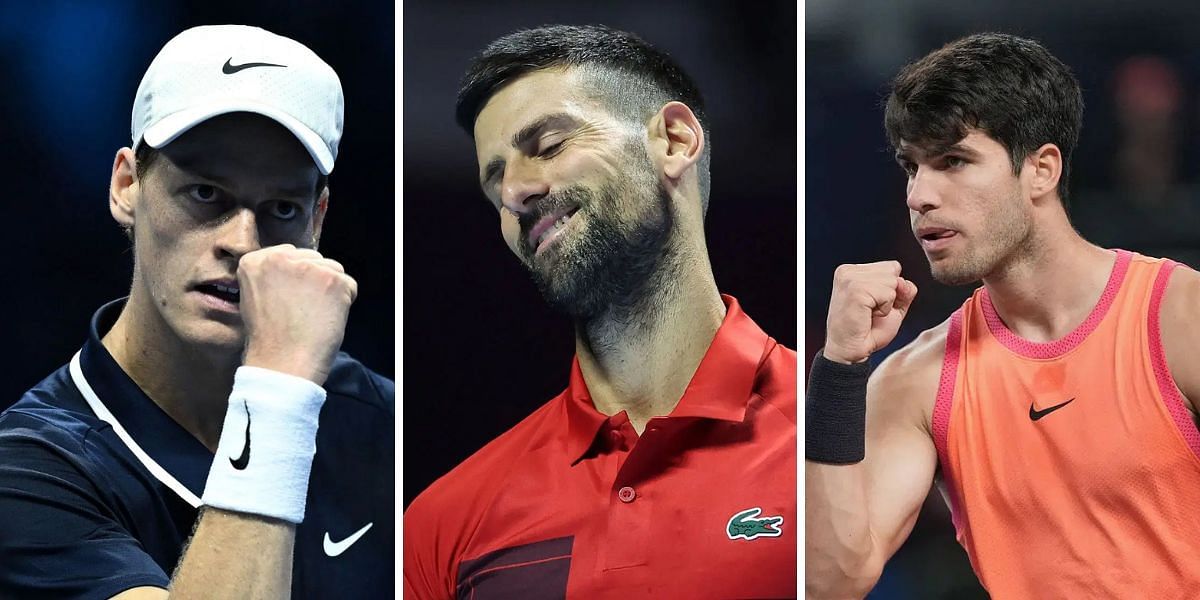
(906, 153)
(522, 137)
(956, 149)
(529, 131)
(195, 168)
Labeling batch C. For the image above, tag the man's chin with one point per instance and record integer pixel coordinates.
(953, 277)
(213, 337)
(567, 293)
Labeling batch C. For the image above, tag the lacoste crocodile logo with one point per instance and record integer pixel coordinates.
(744, 525)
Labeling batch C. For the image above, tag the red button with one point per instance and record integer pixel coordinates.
(626, 494)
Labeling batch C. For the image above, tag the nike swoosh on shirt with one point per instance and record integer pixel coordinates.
(333, 548)
(1037, 414)
(229, 69)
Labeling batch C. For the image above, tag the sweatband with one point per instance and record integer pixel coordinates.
(835, 411)
(267, 445)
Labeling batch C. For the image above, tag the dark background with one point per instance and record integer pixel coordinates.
(482, 351)
(70, 71)
(1133, 181)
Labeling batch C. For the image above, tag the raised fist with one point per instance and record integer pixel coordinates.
(294, 303)
(868, 303)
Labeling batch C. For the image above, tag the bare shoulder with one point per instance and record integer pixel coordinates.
(1179, 302)
(908, 379)
(1180, 330)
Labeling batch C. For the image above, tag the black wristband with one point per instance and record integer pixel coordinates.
(835, 412)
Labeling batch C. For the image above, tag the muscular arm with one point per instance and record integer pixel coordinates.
(857, 516)
(253, 555)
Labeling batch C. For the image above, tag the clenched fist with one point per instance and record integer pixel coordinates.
(868, 303)
(294, 303)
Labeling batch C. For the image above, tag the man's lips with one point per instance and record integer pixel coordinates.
(225, 289)
(548, 224)
(935, 238)
(934, 233)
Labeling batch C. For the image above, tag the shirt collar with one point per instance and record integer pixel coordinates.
(720, 389)
(185, 460)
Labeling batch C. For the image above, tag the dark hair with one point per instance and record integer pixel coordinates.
(622, 71)
(1010, 88)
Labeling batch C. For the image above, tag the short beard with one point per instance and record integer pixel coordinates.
(1010, 240)
(612, 266)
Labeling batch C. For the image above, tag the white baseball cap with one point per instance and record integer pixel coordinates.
(218, 69)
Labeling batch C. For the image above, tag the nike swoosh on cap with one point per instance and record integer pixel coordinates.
(229, 69)
(333, 548)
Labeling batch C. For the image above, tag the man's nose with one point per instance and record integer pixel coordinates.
(521, 188)
(923, 191)
(239, 235)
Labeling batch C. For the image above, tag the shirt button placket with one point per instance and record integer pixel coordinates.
(627, 494)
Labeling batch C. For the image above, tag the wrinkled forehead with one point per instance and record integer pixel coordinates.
(523, 101)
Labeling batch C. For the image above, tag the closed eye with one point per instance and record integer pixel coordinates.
(551, 150)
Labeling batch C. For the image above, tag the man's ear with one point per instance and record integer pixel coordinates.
(1046, 165)
(676, 138)
(123, 187)
(319, 211)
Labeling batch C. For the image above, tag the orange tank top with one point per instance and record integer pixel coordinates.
(1072, 468)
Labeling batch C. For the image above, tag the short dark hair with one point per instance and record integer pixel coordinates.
(1009, 87)
(626, 74)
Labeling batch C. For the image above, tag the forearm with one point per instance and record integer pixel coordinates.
(843, 559)
(838, 545)
(255, 493)
(236, 555)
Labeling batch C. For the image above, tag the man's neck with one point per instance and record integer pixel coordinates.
(184, 382)
(1050, 289)
(640, 358)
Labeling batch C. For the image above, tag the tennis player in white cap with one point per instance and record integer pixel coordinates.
(209, 439)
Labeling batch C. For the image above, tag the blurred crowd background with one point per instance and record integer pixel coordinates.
(1134, 181)
(481, 349)
(70, 71)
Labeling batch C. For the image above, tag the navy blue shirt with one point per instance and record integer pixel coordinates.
(99, 488)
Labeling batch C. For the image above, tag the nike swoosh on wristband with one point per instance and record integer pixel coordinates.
(229, 69)
(1037, 414)
(333, 548)
(242, 461)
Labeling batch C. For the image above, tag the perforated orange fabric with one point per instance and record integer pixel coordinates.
(1072, 467)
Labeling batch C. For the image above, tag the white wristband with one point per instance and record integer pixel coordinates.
(267, 444)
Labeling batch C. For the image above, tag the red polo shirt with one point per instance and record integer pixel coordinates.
(572, 503)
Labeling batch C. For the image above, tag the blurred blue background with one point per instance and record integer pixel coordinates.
(1133, 182)
(70, 71)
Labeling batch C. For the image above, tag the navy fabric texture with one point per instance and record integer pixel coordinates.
(82, 517)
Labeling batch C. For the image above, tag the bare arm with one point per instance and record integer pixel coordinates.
(1180, 329)
(857, 515)
(239, 554)
(252, 554)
